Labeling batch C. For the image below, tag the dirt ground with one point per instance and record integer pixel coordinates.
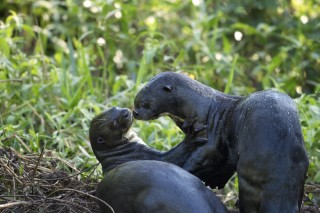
(32, 183)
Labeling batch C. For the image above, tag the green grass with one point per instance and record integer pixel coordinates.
(55, 75)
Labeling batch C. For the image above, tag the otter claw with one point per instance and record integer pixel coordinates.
(190, 121)
(193, 131)
(200, 128)
(193, 121)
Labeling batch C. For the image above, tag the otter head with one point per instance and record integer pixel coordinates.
(161, 95)
(108, 129)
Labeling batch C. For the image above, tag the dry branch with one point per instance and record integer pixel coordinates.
(12, 204)
(28, 183)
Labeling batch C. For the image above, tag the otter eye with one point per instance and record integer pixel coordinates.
(100, 140)
(167, 88)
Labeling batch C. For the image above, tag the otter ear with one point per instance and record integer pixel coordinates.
(100, 140)
(167, 88)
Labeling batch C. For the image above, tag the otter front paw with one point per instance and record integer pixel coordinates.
(193, 130)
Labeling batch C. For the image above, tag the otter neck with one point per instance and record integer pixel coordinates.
(201, 99)
(200, 108)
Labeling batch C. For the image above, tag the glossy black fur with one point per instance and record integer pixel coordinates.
(155, 186)
(258, 136)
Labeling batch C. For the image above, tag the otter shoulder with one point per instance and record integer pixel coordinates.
(269, 98)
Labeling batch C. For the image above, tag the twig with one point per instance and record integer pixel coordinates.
(38, 162)
(23, 143)
(10, 171)
(66, 163)
(67, 202)
(69, 176)
(310, 200)
(89, 195)
(9, 205)
(23, 157)
(31, 157)
(37, 202)
(14, 188)
(94, 169)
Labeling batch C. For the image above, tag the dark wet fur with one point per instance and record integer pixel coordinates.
(155, 186)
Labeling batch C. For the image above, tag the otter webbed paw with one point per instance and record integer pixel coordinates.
(193, 129)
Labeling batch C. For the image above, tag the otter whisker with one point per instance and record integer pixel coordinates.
(103, 124)
(100, 121)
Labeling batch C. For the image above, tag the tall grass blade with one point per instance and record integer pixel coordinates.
(230, 77)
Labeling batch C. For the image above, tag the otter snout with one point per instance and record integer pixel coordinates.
(135, 114)
(126, 117)
(140, 114)
(125, 113)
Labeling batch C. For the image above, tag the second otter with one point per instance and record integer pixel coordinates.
(114, 143)
(134, 182)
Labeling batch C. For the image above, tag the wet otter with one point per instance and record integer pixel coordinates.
(155, 186)
(258, 136)
(132, 183)
(113, 142)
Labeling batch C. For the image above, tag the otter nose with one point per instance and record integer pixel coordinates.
(125, 113)
(135, 113)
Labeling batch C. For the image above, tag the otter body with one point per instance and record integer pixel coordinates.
(134, 181)
(155, 186)
(113, 142)
(258, 136)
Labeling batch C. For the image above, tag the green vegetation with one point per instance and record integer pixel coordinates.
(62, 62)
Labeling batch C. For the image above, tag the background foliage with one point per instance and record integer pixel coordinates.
(62, 62)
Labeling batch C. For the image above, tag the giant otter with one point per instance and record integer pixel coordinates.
(155, 186)
(258, 136)
(134, 183)
(114, 142)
